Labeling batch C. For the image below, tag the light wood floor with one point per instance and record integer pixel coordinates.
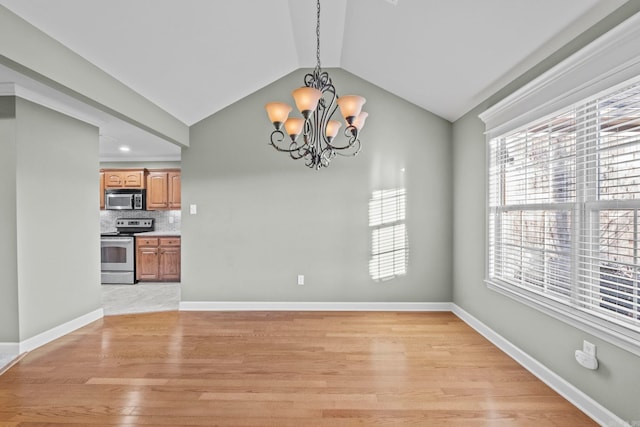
(277, 369)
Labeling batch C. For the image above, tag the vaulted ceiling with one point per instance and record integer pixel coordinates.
(195, 57)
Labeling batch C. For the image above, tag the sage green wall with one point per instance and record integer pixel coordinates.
(31, 52)
(8, 236)
(616, 383)
(58, 255)
(264, 218)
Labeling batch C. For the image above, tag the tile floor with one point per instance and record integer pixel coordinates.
(140, 298)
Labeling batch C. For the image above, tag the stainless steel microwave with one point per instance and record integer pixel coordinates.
(125, 199)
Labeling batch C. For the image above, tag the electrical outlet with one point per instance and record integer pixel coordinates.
(589, 348)
(300, 279)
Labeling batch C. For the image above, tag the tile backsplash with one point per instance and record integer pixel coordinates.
(163, 220)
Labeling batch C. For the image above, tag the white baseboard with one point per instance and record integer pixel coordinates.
(312, 306)
(593, 409)
(60, 330)
(10, 348)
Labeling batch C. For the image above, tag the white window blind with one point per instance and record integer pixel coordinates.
(389, 247)
(564, 196)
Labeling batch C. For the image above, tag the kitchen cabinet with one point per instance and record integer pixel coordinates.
(175, 190)
(163, 190)
(158, 259)
(157, 194)
(147, 259)
(124, 178)
(169, 259)
(101, 190)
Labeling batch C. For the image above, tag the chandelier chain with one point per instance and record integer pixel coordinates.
(318, 38)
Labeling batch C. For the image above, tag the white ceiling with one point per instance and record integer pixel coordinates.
(195, 57)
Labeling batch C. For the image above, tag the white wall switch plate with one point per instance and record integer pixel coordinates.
(300, 279)
(193, 209)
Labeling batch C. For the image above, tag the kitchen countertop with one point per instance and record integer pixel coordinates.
(158, 233)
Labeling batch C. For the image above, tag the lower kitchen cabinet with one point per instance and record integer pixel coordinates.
(170, 260)
(158, 259)
(147, 262)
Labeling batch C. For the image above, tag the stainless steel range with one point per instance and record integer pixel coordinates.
(117, 250)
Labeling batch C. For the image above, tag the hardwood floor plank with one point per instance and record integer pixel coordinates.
(277, 369)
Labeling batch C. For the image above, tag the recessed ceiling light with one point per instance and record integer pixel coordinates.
(125, 148)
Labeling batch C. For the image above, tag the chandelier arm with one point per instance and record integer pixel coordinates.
(310, 162)
(356, 143)
(328, 154)
(353, 143)
(312, 158)
(326, 108)
(326, 140)
(310, 135)
(351, 133)
(277, 136)
(309, 79)
(299, 152)
(316, 147)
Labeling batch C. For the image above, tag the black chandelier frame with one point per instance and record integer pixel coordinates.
(316, 148)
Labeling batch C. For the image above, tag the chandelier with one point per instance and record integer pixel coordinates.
(317, 101)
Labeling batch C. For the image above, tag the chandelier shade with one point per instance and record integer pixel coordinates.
(350, 106)
(278, 113)
(306, 99)
(358, 123)
(333, 127)
(317, 102)
(294, 127)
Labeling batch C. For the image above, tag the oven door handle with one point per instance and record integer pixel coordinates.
(116, 240)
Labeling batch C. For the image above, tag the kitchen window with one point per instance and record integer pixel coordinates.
(563, 206)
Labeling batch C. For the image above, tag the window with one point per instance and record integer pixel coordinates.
(389, 248)
(564, 198)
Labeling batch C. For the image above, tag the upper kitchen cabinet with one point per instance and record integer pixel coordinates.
(163, 189)
(175, 192)
(101, 189)
(122, 178)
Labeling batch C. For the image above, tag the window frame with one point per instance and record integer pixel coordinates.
(610, 61)
(577, 310)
